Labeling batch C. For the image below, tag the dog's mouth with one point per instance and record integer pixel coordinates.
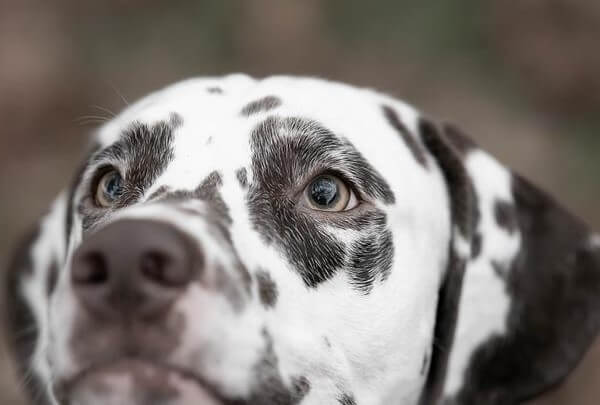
(131, 381)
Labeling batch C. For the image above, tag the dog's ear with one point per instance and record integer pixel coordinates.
(546, 264)
(29, 280)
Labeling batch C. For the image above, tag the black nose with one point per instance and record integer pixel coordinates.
(133, 268)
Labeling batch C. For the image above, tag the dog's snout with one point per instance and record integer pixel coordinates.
(133, 267)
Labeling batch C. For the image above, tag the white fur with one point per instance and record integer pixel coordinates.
(378, 340)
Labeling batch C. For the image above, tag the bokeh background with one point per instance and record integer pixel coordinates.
(523, 78)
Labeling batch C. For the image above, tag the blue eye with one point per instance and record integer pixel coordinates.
(329, 193)
(110, 188)
(324, 191)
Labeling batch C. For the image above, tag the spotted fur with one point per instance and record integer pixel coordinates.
(452, 280)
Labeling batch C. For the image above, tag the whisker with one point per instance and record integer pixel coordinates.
(91, 119)
(27, 383)
(110, 113)
(25, 331)
(116, 90)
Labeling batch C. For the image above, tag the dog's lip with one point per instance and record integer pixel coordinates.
(128, 365)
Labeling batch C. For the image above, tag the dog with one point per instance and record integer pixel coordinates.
(292, 240)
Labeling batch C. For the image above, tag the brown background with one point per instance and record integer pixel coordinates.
(523, 78)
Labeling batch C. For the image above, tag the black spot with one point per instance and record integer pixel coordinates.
(215, 90)
(159, 193)
(243, 271)
(411, 142)
(459, 184)
(501, 269)
(371, 257)
(346, 399)
(462, 142)
(242, 176)
(327, 342)
(286, 151)
(476, 245)
(208, 192)
(227, 285)
(268, 387)
(267, 289)
(52, 277)
(446, 317)
(175, 120)
(424, 364)
(300, 386)
(262, 105)
(554, 315)
(506, 217)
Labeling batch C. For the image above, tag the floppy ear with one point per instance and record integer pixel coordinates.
(30, 279)
(521, 330)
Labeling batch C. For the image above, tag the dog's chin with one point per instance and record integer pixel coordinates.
(132, 382)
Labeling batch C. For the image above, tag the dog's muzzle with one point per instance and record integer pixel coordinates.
(127, 278)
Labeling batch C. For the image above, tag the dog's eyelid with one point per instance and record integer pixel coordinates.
(352, 185)
(341, 173)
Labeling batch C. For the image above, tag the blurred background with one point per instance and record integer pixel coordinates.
(522, 78)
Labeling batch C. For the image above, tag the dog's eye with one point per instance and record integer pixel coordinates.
(110, 187)
(329, 193)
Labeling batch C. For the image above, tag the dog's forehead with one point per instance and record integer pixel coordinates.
(215, 118)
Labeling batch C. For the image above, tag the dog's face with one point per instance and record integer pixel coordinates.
(235, 241)
(253, 242)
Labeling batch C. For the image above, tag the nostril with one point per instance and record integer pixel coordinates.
(152, 266)
(162, 269)
(91, 269)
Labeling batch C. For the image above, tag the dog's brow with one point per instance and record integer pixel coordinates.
(138, 136)
(142, 153)
(312, 146)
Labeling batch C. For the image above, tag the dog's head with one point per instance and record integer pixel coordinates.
(287, 241)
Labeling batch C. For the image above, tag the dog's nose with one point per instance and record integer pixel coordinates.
(133, 268)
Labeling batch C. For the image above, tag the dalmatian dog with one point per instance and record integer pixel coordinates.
(235, 241)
